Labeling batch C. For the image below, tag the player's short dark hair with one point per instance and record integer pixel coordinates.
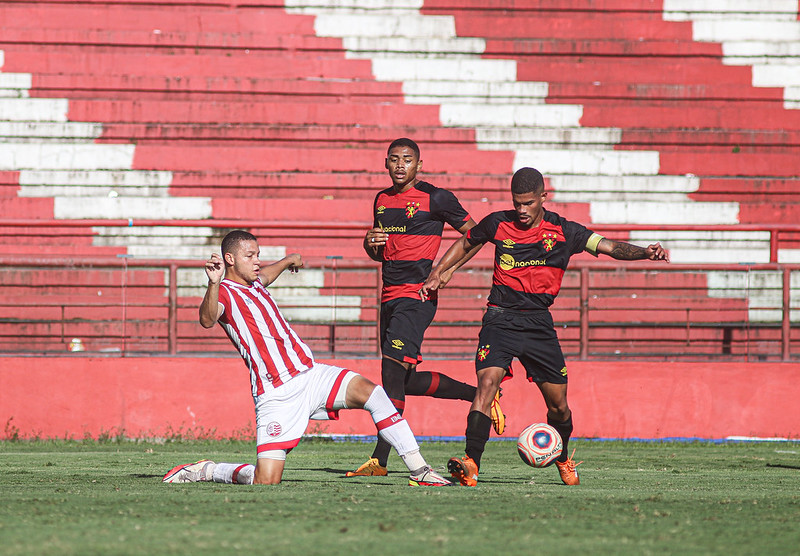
(527, 180)
(231, 241)
(404, 142)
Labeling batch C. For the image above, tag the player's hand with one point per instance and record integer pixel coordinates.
(295, 262)
(445, 277)
(376, 237)
(215, 269)
(657, 253)
(433, 283)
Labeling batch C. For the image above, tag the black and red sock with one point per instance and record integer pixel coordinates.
(437, 385)
(564, 429)
(478, 427)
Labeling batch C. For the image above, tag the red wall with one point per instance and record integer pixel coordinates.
(79, 396)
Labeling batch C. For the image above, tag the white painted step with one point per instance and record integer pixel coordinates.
(471, 115)
(33, 109)
(474, 92)
(631, 212)
(15, 85)
(755, 50)
(49, 131)
(148, 180)
(67, 156)
(409, 25)
(388, 69)
(745, 30)
(569, 138)
(688, 10)
(609, 163)
(173, 208)
(366, 47)
(352, 6)
(775, 75)
(579, 185)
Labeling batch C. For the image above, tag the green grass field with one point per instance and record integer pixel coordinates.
(636, 498)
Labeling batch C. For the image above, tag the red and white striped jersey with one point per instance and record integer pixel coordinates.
(270, 348)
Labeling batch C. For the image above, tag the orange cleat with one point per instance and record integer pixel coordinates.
(370, 469)
(465, 470)
(567, 470)
(498, 418)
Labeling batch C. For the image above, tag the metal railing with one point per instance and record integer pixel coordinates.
(125, 306)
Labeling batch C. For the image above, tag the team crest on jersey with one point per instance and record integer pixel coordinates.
(509, 243)
(549, 241)
(274, 428)
(483, 352)
(411, 209)
(397, 344)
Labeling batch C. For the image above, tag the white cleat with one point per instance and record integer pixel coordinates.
(189, 472)
(428, 477)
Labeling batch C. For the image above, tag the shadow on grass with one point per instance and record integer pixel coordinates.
(783, 466)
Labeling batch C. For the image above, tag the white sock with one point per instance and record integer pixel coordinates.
(414, 461)
(240, 473)
(393, 428)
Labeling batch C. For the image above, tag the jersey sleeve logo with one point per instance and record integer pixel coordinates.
(483, 352)
(549, 241)
(411, 209)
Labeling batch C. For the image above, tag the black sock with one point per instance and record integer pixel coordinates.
(393, 375)
(478, 427)
(565, 430)
(434, 384)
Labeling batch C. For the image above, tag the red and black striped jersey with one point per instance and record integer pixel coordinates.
(414, 221)
(529, 263)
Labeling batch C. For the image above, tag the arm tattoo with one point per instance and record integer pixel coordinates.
(627, 252)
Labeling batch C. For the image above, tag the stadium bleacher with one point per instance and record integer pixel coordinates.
(644, 112)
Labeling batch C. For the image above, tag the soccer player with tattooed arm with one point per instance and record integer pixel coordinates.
(288, 386)
(408, 221)
(532, 250)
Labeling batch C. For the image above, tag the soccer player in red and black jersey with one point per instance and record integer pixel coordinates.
(532, 250)
(409, 219)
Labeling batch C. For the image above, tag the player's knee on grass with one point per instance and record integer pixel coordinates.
(268, 471)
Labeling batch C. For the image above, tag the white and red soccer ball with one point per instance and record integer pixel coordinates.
(539, 445)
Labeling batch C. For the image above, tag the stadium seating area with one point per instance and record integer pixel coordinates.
(641, 113)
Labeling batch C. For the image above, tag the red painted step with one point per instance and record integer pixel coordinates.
(260, 159)
(598, 25)
(47, 60)
(250, 112)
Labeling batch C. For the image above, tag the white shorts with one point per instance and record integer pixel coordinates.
(282, 413)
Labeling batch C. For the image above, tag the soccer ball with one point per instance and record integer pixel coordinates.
(539, 445)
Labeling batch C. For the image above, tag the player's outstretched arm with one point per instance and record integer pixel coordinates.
(624, 251)
(210, 308)
(459, 253)
(374, 242)
(270, 273)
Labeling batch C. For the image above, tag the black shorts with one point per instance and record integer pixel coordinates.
(527, 335)
(403, 324)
